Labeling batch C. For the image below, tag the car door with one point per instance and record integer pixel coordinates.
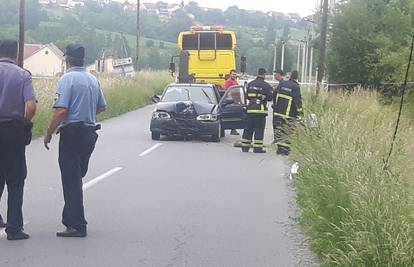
(232, 108)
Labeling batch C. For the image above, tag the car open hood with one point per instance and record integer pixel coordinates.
(186, 107)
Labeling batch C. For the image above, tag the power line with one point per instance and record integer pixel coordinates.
(404, 87)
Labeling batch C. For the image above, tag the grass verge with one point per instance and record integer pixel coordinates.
(356, 213)
(122, 95)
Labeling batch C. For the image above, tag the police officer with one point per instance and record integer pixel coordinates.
(17, 109)
(287, 110)
(259, 93)
(79, 99)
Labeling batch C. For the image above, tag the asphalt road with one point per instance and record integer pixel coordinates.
(167, 203)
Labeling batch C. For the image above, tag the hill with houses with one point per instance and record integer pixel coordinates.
(107, 28)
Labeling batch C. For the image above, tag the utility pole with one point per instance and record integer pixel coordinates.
(303, 62)
(311, 56)
(138, 35)
(298, 62)
(21, 33)
(322, 54)
(282, 61)
(274, 56)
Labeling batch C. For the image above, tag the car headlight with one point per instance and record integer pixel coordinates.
(160, 115)
(207, 117)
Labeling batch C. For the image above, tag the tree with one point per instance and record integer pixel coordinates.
(370, 40)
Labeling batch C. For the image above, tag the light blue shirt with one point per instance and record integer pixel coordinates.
(80, 94)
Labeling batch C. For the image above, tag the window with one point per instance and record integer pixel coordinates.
(236, 94)
(196, 94)
(208, 41)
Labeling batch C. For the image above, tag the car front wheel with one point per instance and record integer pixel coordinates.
(155, 136)
(216, 137)
(222, 131)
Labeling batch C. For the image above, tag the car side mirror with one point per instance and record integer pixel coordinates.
(228, 101)
(155, 99)
(172, 67)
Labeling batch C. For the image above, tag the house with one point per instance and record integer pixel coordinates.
(151, 8)
(75, 4)
(127, 6)
(43, 60)
(277, 15)
(295, 17)
(120, 66)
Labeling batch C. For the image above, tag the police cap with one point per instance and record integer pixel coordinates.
(8, 47)
(76, 51)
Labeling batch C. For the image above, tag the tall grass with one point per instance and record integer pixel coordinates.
(356, 213)
(122, 95)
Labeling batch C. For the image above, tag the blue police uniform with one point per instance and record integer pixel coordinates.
(15, 90)
(80, 94)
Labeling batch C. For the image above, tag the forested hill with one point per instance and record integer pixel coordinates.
(109, 27)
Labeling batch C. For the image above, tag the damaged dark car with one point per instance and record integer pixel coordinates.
(187, 110)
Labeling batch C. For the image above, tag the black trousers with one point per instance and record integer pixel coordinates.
(76, 145)
(282, 128)
(13, 171)
(255, 126)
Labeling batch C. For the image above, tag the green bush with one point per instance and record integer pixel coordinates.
(356, 213)
(122, 95)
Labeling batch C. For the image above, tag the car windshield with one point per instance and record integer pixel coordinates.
(196, 94)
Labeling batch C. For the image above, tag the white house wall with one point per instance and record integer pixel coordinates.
(44, 63)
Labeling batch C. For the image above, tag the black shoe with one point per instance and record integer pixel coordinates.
(259, 150)
(18, 236)
(245, 149)
(234, 132)
(282, 151)
(70, 232)
(237, 144)
(2, 223)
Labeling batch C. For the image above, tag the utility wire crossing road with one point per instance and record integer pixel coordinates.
(170, 203)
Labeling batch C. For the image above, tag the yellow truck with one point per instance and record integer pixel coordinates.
(207, 54)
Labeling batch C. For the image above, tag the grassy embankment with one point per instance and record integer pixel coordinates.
(122, 95)
(356, 213)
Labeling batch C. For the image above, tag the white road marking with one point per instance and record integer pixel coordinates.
(149, 150)
(100, 178)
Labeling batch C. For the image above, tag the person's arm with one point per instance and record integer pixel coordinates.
(101, 103)
(297, 100)
(29, 98)
(269, 93)
(30, 110)
(58, 116)
(60, 106)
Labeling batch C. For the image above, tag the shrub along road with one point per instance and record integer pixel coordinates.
(167, 203)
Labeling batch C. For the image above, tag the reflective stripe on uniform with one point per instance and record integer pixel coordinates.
(262, 110)
(246, 143)
(283, 144)
(283, 115)
(289, 99)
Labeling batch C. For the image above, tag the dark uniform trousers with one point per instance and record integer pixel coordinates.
(255, 125)
(282, 128)
(13, 171)
(76, 145)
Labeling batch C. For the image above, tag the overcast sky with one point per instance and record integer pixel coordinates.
(302, 7)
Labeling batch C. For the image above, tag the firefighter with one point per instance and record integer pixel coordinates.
(287, 110)
(259, 93)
